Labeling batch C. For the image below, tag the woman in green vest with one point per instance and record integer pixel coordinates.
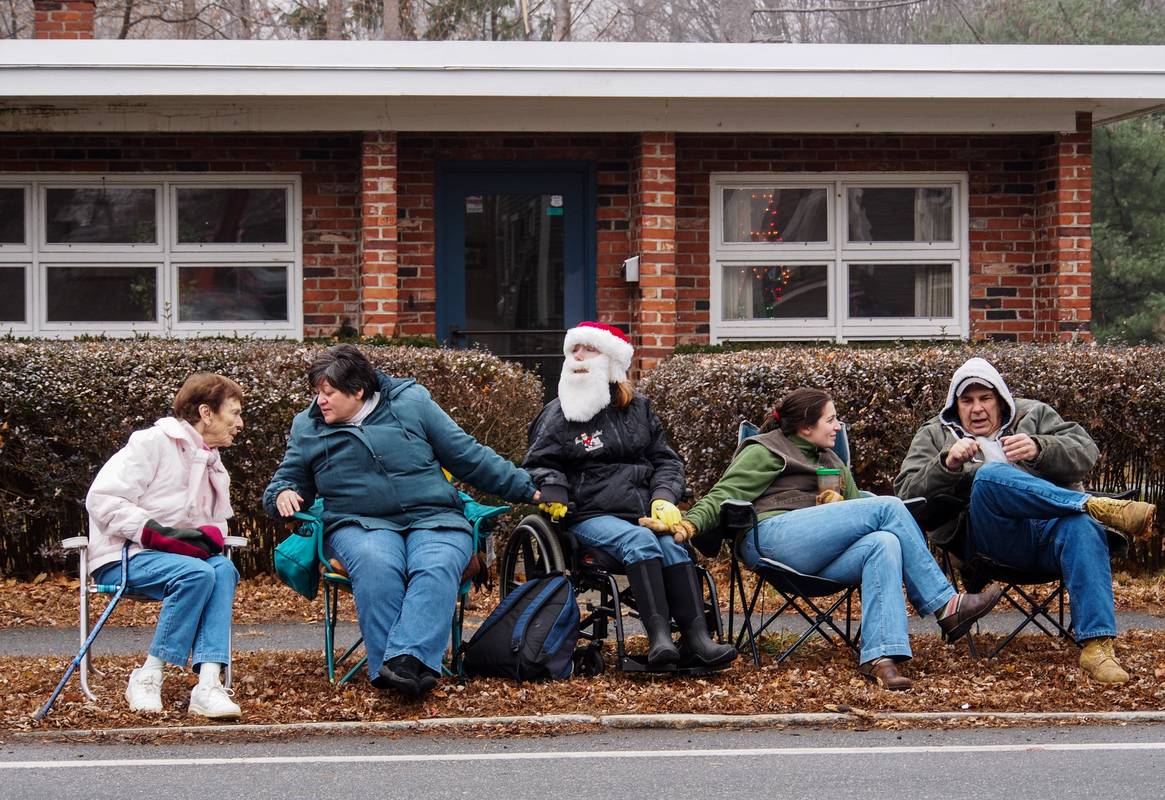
(873, 541)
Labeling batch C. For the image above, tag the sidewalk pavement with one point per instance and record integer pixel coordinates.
(283, 636)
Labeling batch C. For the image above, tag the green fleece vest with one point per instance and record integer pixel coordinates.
(796, 486)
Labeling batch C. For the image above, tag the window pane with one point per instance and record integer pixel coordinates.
(11, 215)
(102, 294)
(901, 290)
(242, 216)
(220, 294)
(102, 215)
(900, 214)
(776, 215)
(785, 291)
(12, 294)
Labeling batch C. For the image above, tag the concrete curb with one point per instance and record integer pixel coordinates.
(624, 721)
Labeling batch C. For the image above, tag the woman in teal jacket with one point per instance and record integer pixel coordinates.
(372, 447)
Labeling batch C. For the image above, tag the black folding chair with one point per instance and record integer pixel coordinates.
(798, 591)
(1037, 595)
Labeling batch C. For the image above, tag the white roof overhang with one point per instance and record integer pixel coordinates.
(147, 85)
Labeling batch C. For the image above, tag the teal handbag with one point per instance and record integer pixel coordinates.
(297, 557)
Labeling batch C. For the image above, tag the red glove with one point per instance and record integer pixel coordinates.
(202, 542)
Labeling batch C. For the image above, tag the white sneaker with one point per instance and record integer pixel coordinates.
(213, 701)
(144, 691)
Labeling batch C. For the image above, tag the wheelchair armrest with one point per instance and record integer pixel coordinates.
(736, 516)
(915, 504)
(75, 543)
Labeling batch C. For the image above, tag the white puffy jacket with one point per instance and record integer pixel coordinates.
(164, 473)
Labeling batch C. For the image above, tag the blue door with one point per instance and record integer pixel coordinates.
(515, 258)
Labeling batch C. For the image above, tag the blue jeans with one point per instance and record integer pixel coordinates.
(1027, 522)
(628, 542)
(871, 540)
(197, 597)
(405, 587)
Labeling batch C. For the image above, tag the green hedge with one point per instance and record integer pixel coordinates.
(884, 395)
(65, 407)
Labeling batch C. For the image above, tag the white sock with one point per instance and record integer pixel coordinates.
(154, 664)
(208, 673)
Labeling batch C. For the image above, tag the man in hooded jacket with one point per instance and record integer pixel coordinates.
(1016, 467)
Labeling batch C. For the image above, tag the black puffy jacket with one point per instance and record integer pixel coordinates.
(614, 464)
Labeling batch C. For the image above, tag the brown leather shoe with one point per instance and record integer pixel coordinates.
(968, 609)
(884, 672)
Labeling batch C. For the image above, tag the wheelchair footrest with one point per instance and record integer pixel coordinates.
(639, 664)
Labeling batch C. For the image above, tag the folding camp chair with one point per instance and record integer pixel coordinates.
(799, 592)
(336, 582)
(116, 591)
(1038, 596)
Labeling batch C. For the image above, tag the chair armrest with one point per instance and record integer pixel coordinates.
(736, 516)
(235, 541)
(75, 543)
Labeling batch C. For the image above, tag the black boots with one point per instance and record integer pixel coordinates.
(646, 579)
(685, 597)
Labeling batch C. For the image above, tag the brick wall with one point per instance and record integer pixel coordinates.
(1029, 201)
(1007, 221)
(329, 166)
(63, 19)
(653, 237)
(1063, 249)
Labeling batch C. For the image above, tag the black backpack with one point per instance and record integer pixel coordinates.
(530, 636)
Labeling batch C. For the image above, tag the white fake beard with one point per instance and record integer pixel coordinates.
(582, 395)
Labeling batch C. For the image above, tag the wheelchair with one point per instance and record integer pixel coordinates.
(537, 547)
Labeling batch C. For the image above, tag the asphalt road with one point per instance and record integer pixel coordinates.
(1126, 762)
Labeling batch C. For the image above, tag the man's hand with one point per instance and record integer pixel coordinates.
(665, 512)
(829, 496)
(961, 452)
(288, 502)
(1019, 447)
(556, 510)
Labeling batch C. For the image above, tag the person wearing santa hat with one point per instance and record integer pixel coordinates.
(602, 462)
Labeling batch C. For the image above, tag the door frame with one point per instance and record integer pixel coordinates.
(452, 178)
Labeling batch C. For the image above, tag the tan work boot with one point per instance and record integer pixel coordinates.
(1099, 661)
(1131, 517)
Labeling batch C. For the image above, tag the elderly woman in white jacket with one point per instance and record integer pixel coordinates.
(167, 495)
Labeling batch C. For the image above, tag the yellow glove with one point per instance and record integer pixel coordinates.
(556, 510)
(665, 512)
(654, 525)
(829, 496)
(683, 530)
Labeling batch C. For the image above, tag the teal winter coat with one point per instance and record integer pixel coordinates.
(386, 472)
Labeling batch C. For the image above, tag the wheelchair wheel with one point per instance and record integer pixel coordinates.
(588, 661)
(531, 552)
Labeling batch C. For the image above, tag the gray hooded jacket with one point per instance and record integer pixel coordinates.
(1066, 451)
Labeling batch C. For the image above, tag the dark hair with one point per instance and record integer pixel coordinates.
(346, 369)
(801, 408)
(204, 388)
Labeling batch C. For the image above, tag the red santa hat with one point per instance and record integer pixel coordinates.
(608, 340)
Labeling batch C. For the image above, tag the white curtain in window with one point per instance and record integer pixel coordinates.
(933, 292)
(932, 215)
(736, 292)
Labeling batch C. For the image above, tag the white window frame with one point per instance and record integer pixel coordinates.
(36, 255)
(839, 254)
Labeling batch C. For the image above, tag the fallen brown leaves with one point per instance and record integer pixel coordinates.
(1034, 674)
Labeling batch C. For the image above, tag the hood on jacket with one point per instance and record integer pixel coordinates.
(977, 371)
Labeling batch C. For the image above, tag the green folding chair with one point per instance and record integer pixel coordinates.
(483, 518)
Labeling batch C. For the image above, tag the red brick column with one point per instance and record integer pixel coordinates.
(63, 19)
(1063, 257)
(378, 234)
(653, 237)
